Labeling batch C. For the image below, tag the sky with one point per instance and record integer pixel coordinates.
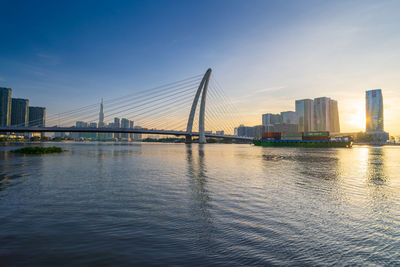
(265, 54)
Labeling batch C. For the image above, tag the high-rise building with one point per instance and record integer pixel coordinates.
(271, 122)
(117, 124)
(5, 106)
(288, 117)
(131, 123)
(326, 115)
(19, 112)
(270, 119)
(374, 111)
(248, 131)
(137, 136)
(124, 125)
(77, 135)
(305, 115)
(93, 125)
(101, 115)
(93, 135)
(374, 116)
(321, 114)
(37, 116)
(334, 116)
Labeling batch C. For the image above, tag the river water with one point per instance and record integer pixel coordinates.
(217, 204)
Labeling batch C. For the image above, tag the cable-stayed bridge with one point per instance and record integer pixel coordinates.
(170, 109)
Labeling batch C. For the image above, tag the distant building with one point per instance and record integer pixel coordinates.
(271, 122)
(125, 125)
(101, 115)
(288, 122)
(81, 124)
(288, 117)
(374, 111)
(374, 115)
(305, 115)
(321, 114)
(334, 117)
(19, 112)
(137, 136)
(94, 135)
(78, 135)
(248, 131)
(326, 115)
(5, 106)
(258, 130)
(117, 124)
(270, 119)
(37, 116)
(131, 127)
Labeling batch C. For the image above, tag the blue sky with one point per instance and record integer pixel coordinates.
(265, 54)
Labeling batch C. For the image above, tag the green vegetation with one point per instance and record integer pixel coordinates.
(165, 140)
(362, 137)
(38, 150)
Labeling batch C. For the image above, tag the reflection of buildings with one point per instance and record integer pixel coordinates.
(380, 195)
(374, 115)
(376, 173)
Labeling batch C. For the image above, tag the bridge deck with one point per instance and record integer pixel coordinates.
(114, 130)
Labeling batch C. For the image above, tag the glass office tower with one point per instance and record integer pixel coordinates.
(5, 106)
(305, 115)
(374, 111)
(19, 112)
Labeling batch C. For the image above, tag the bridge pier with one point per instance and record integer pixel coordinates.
(202, 89)
(188, 139)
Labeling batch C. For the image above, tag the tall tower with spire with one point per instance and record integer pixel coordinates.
(101, 115)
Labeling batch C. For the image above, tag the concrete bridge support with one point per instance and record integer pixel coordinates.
(202, 89)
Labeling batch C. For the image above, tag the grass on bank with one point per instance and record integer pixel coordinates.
(38, 150)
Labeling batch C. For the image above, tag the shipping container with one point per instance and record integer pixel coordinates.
(271, 135)
(309, 134)
(292, 134)
(292, 138)
(316, 138)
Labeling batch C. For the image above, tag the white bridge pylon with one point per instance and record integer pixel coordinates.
(202, 89)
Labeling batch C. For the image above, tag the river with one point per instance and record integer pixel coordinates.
(215, 204)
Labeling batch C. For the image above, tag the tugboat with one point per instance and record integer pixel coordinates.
(307, 139)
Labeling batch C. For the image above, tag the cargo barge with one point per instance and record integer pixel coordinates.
(306, 139)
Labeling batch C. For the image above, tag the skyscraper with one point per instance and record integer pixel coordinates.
(101, 115)
(374, 111)
(270, 119)
(305, 115)
(326, 115)
(37, 116)
(289, 117)
(321, 114)
(271, 122)
(19, 112)
(5, 106)
(131, 127)
(125, 125)
(117, 124)
(334, 116)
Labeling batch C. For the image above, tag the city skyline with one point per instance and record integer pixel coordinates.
(313, 49)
